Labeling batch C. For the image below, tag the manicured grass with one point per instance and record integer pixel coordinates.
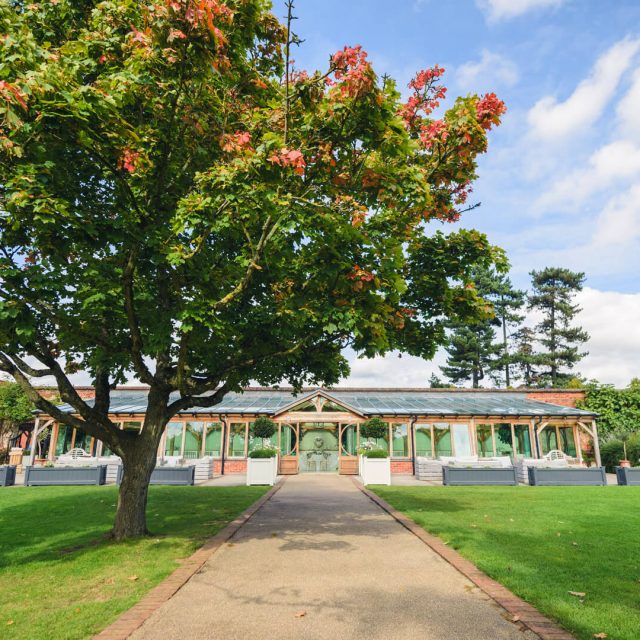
(59, 577)
(542, 542)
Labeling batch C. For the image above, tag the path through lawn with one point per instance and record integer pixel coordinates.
(542, 543)
(60, 579)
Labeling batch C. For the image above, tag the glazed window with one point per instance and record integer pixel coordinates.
(173, 439)
(424, 440)
(237, 440)
(399, 440)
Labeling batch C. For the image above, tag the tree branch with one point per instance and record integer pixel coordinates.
(267, 234)
(134, 327)
(43, 404)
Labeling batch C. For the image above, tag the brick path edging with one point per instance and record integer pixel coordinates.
(521, 612)
(133, 618)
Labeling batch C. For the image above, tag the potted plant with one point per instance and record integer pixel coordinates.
(262, 465)
(624, 436)
(375, 467)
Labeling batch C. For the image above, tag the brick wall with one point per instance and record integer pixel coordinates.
(566, 398)
(84, 392)
(401, 466)
(233, 466)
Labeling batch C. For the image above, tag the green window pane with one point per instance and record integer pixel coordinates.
(63, 443)
(132, 425)
(548, 439)
(567, 441)
(349, 438)
(237, 439)
(173, 441)
(193, 440)
(288, 440)
(504, 445)
(523, 440)
(213, 439)
(442, 438)
(400, 440)
(423, 440)
(484, 440)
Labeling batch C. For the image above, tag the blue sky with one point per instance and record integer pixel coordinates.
(561, 182)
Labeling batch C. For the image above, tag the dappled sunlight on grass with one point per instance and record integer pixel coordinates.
(60, 577)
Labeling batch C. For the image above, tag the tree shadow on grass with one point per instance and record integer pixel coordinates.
(44, 524)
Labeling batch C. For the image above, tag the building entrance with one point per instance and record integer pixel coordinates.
(318, 446)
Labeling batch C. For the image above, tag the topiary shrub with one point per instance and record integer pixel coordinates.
(374, 428)
(263, 453)
(264, 428)
(376, 453)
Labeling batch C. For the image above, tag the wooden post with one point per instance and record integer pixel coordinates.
(596, 444)
(53, 441)
(538, 440)
(34, 441)
(578, 440)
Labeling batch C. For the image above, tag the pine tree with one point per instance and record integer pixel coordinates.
(523, 357)
(498, 289)
(553, 291)
(471, 350)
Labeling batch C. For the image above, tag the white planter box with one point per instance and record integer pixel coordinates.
(375, 470)
(262, 470)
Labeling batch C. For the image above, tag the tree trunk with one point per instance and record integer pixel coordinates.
(506, 352)
(131, 519)
(139, 452)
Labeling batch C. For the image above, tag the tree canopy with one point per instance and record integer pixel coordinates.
(553, 291)
(181, 204)
(474, 352)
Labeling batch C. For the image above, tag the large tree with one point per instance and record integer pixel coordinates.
(552, 295)
(507, 302)
(472, 351)
(523, 356)
(178, 202)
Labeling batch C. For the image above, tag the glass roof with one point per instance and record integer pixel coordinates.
(366, 402)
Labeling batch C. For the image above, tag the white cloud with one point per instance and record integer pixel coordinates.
(552, 120)
(609, 165)
(612, 320)
(618, 225)
(491, 68)
(497, 10)
(628, 109)
(392, 371)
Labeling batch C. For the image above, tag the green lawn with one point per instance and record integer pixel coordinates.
(59, 578)
(542, 542)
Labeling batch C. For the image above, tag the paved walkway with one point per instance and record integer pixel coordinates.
(321, 561)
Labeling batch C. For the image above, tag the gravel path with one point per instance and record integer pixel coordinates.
(321, 561)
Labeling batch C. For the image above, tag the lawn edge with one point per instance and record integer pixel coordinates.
(521, 612)
(126, 623)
